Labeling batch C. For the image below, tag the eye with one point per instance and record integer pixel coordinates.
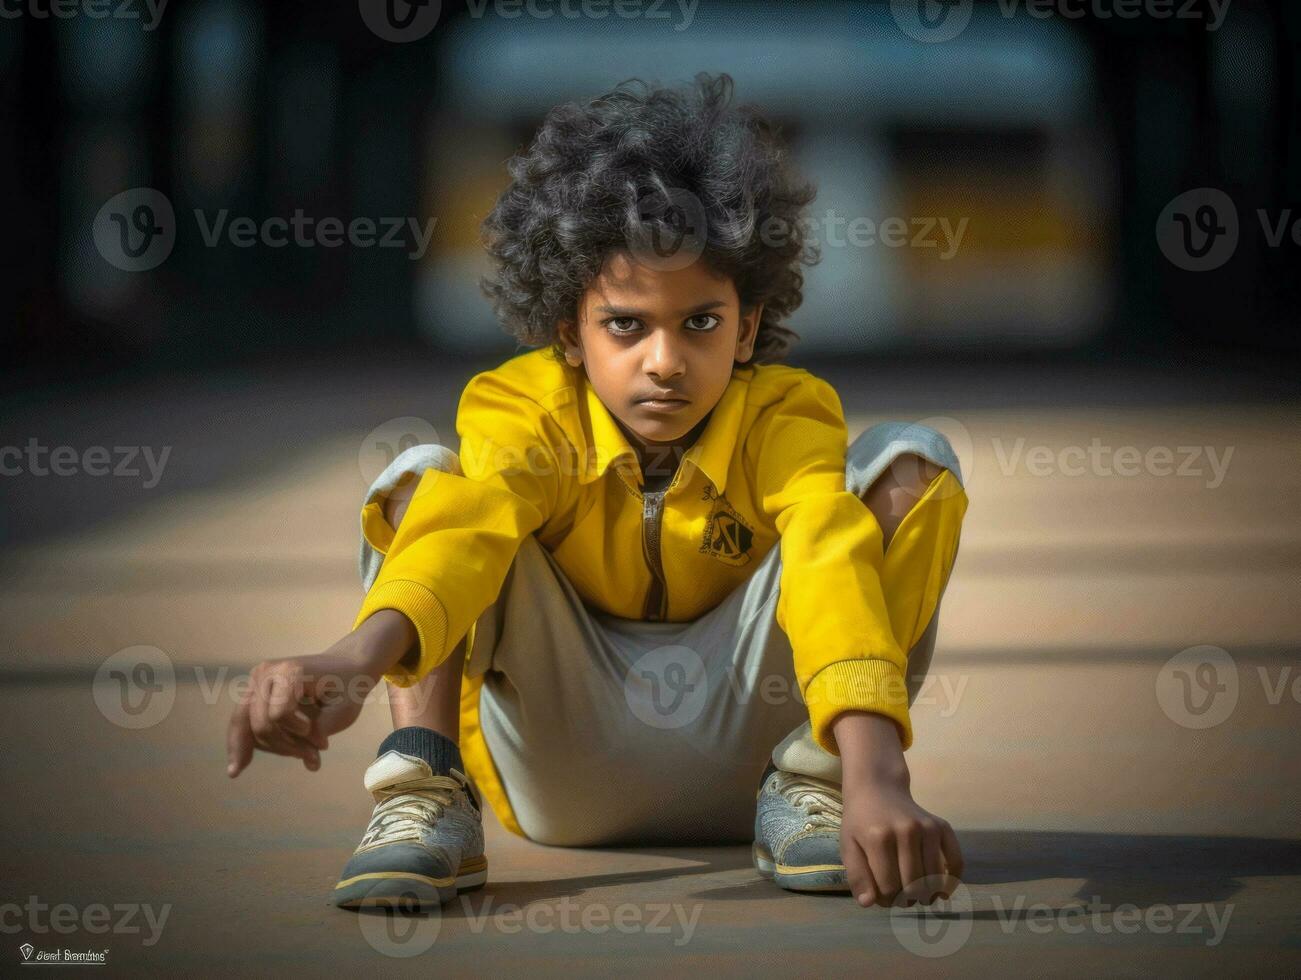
(621, 324)
(703, 322)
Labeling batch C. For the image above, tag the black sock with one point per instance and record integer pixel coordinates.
(437, 749)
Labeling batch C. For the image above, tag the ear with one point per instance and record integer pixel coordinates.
(568, 332)
(746, 335)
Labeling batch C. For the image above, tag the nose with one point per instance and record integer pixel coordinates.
(663, 357)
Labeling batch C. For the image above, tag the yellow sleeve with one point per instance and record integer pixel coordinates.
(449, 557)
(831, 602)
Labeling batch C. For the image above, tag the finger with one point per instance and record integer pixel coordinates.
(267, 692)
(912, 868)
(953, 861)
(337, 716)
(316, 734)
(861, 883)
(239, 740)
(282, 706)
(257, 709)
(280, 742)
(883, 858)
(933, 858)
(306, 751)
(291, 719)
(267, 735)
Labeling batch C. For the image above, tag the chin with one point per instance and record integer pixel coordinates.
(653, 432)
(656, 434)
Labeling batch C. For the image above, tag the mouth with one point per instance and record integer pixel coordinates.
(667, 404)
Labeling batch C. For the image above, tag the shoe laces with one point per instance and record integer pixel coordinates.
(822, 801)
(405, 809)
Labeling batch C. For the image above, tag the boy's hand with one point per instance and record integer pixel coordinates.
(893, 849)
(291, 707)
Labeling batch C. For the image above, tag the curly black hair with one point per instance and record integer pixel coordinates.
(581, 191)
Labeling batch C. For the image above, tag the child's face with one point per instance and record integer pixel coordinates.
(644, 333)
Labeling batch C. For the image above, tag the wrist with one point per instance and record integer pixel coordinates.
(377, 645)
(871, 753)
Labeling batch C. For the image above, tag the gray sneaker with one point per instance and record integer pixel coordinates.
(797, 832)
(424, 843)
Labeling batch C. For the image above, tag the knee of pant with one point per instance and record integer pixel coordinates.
(393, 490)
(417, 459)
(880, 446)
(396, 486)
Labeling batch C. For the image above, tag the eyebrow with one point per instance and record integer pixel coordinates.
(693, 311)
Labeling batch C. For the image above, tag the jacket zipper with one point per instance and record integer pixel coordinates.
(652, 513)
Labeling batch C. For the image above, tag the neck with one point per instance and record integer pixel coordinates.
(662, 459)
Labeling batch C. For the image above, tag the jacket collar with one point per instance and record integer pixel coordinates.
(712, 453)
(608, 441)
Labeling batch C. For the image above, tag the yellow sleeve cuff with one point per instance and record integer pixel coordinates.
(426, 613)
(857, 685)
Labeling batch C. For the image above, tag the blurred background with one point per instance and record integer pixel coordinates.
(240, 271)
(1060, 139)
(997, 181)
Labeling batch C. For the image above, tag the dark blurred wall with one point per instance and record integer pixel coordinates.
(233, 107)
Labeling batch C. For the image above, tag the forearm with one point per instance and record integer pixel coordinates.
(892, 848)
(371, 650)
(846, 656)
(870, 750)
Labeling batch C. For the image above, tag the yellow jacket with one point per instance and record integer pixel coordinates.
(542, 455)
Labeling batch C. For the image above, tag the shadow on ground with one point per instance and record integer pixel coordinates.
(1117, 869)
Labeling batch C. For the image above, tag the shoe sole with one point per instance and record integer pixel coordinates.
(796, 878)
(408, 890)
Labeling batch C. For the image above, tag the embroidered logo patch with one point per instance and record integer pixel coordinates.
(726, 537)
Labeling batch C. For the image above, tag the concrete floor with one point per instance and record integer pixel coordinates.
(1103, 833)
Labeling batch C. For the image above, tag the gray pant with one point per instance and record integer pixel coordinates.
(609, 731)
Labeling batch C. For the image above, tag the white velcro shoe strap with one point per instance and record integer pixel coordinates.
(395, 767)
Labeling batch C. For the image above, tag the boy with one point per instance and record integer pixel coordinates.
(660, 573)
